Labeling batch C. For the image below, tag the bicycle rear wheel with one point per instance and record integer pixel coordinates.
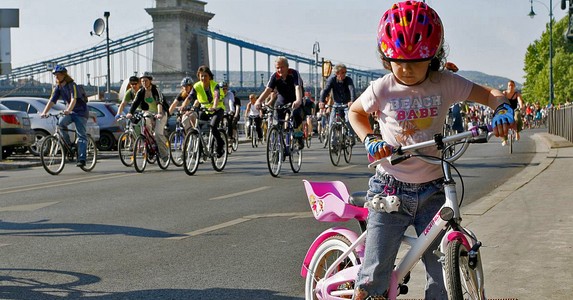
(191, 152)
(91, 155)
(176, 139)
(52, 155)
(274, 151)
(295, 155)
(347, 146)
(253, 133)
(163, 163)
(140, 154)
(462, 280)
(235, 140)
(326, 254)
(334, 141)
(219, 163)
(125, 148)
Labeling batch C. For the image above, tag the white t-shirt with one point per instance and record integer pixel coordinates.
(412, 114)
(229, 101)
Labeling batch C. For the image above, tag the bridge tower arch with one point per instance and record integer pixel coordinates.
(177, 50)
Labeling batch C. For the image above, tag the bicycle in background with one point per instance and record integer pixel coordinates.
(332, 262)
(54, 150)
(126, 140)
(200, 145)
(146, 149)
(176, 139)
(340, 139)
(252, 132)
(281, 143)
(233, 139)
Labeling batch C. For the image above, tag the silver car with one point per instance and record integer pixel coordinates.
(15, 131)
(45, 126)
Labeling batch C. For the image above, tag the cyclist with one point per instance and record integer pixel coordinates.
(228, 98)
(254, 114)
(516, 103)
(206, 93)
(130, 93)
(342, 88)
(76, 111)
(189, 117)
(308, 108)
(288, 84)
(151, 101)
(411, 104)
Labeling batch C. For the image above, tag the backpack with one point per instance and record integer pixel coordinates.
(81, 93)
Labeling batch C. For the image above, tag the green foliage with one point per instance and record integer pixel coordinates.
(536, 86)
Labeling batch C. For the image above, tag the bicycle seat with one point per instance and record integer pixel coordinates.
(358, 199)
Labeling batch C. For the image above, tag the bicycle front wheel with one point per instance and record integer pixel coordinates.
(326, 254)
(274, 152)
(125, 148)
(91, 155)
(191, 152)
(347, 145)
(462, 280)
(235, 139)
(219, 163)
(140, 154)
(163, 163)
(334, 141)
(176, 139)
(52, 155)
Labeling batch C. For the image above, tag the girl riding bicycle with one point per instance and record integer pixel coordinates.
(410, 104)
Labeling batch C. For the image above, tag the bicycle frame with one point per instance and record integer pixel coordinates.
(150, 143)
(330, 202)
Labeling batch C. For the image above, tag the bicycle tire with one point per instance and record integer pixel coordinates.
(347, 145)
(125, 148)
(163, 163)
(176, 139)
(235, 143)
(191, 152)
(253, 133)
(140, 154)
(52, 155)
(324, 256)
(219, 163)
(91, 155)
(325, 134)
(334, 149)
(461, 280)
(295, 155)
(274, 151)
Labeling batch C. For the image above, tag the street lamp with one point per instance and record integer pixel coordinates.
(531, 15)
(99, 26)
(315, 51)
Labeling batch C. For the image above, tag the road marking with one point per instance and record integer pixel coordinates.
(61, 183)
(27, 207)
(347, 167)
(292, 215)
(241, 193)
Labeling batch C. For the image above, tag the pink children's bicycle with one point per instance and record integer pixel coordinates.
(333, 259)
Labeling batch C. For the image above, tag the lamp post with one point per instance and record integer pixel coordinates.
(531, 15)
(99, 26)
(316, 51)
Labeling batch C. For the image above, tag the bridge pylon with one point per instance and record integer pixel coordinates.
(177, 50)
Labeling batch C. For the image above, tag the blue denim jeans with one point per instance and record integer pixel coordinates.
(419, 204)
(81, 124)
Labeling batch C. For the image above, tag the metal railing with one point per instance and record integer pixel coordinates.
(560, 122)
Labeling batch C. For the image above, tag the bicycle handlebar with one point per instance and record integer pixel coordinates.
(477, 134)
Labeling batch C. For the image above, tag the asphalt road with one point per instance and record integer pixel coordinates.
(240, 234)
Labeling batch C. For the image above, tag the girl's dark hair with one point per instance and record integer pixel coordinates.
(205, 69)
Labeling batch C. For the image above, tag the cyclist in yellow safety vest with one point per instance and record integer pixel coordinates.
(210, 101)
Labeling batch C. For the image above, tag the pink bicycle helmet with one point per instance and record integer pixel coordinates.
(410, 31)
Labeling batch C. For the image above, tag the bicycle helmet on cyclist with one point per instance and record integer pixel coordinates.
(59, 69)
(410, 31)
(186, 81)
(146, 75)
(223, 84)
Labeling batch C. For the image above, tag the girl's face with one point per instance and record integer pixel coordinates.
(145, 82)
(410, 73)
(204, 77)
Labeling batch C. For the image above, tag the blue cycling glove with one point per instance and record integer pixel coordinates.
(373, 144)
(503, 115)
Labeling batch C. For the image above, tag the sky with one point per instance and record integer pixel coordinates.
(489, 36)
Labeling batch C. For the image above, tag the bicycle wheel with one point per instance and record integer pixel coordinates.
(163, 163)
(176, 139)
(347, 145)
(91, 155)
(325, 134)
(220, 162)
(235, 139)
(334, 140)
(510, 137)
(52, 155)
(326, 254)
(125, 148)
(295, 155)
(274, 151)
(253, 133)
(191, 152)
(462, 280)
(140, 154)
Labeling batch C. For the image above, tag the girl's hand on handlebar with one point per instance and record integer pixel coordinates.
(376, 147)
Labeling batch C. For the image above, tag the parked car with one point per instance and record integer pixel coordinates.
(16, 132)
(44, 127)
(109, 128)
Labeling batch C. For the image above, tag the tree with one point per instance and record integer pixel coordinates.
(536, 86)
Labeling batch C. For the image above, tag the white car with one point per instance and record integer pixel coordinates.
(44, 127)
(15, 131)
